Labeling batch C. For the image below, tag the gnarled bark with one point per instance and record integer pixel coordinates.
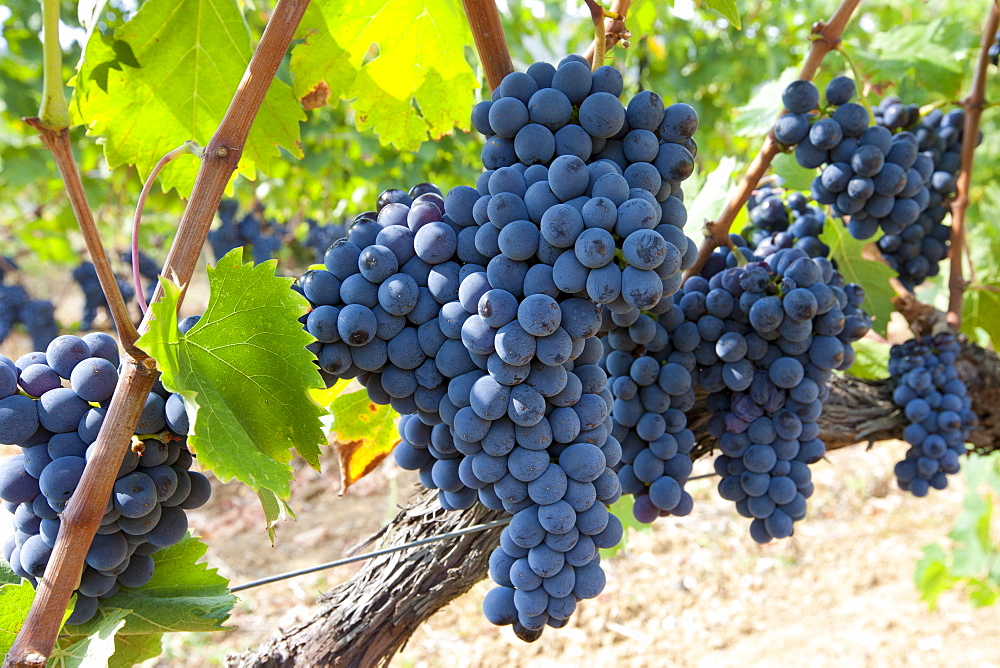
(365, 621)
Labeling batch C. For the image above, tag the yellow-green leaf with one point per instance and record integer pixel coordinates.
(402, 62)
(366, 434)
(168, 76)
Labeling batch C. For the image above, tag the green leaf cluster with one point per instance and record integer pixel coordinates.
(179, 63)
(973, 561)
(401, 62)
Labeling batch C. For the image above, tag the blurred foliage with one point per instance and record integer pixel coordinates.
(685, 50)
(971, 558)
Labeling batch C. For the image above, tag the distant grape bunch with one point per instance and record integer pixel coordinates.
(936, 405)
(85, 275)
(56, 426)
(263, 236)
(17, 307)
(897, 175)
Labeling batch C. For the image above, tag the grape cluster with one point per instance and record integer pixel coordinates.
(475, 315)
(868, 173)
(781, 327)
(56, 426)
(936, 404)
(580, 206)
(378, 309)
(649, 360)
(85, 275)
(321, 237)
(916, 251)
(789, 222)
(148, 269)
(263, 236)
(994, 51)
(37, 315)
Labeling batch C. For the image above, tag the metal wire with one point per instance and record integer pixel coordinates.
(369, 555)
(389, 550)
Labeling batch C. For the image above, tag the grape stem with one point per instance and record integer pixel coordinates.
(614, 32)
(52, 113)
(183, 149)
(58, 143)
(484, 20)
(827, 37)
(52, 124)
(600, 33)
(973, 105)
(34, 643)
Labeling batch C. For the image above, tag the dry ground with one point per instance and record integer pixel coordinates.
(692, 592)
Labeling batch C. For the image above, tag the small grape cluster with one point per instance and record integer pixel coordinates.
(263, 236)
(321, 237)
(37, 315)
(649, 360)
(916, 251)
(380, 308)
(786, 324)
(994, 50)
(789, 222)
(85, 275)
(935, 402)
(148, 269)
(874, 177)
(56, 427)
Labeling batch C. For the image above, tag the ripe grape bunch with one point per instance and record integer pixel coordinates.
(379, 309)
(916, 252)
(571, 215)
(897, 175)
(56, 426)
(868, 173)
(936, 404)
(494, 295)
(785, 324)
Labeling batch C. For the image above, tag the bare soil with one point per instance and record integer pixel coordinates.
(693, 591)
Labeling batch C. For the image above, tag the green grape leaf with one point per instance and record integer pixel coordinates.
(167, 76)
(366, 434)
(402, 62)
(873, 276)
(926, 60)
(973, 548)
(981, 310)
(707, 192)
(932, 576)
(981, 593)
(727, 8)
(7, 575)
(184, 595)
(755, 118)
(94, 650)
(872, 359)
(244, 373)
(794, 175)
(15, 601)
